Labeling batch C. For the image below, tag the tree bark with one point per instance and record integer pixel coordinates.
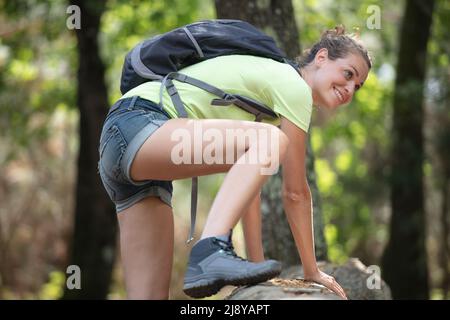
(94, 238)
(444, 256)
(276, 18)
(405, 259)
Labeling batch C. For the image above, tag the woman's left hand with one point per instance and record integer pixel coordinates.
(328, 281)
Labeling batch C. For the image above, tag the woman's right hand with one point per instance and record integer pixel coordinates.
(328, 281)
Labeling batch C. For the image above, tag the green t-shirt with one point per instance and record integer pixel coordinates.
(275, 84)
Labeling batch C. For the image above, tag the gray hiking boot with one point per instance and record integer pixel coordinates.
(213, 264)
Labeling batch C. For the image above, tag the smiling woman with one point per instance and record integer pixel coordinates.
(335, 68)
(139, 159)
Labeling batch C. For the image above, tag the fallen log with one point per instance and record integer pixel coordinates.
(358, 281)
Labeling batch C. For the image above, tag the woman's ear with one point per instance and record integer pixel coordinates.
(321, 57)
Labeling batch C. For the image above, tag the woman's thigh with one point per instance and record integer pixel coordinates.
(183, 148)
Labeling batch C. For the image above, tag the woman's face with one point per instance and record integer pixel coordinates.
(334, 82)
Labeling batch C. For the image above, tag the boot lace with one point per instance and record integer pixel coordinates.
(228, 248)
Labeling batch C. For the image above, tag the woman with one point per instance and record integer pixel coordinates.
(143, 148)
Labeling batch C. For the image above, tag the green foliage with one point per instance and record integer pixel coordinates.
(336, 253)
(37, 59)
(54, 288)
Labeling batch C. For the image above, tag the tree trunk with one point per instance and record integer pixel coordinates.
(94, 237)
(276, 18)
(442, 149)
(444, 255)
(405, 259)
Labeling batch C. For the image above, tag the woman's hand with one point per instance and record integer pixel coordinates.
(328, 281)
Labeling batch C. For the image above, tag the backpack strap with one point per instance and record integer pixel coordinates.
(194, 42)
(194, 194)
(247, 104)
(252, 106)
(197, 83)
(167, 83)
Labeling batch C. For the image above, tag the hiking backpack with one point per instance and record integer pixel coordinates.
(161, 57)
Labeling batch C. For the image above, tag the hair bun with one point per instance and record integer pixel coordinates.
(339, 44)
(337, 31)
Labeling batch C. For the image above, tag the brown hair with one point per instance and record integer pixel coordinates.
(338, 44)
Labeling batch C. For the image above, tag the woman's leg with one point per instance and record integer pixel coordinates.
(244, 179)
(147, 227)
(251, 224)
(146, 241)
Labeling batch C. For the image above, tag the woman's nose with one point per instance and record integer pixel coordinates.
(350, 88)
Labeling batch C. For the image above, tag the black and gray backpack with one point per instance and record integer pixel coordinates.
(161, 57)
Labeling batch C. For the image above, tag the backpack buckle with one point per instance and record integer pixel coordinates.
(226, 100)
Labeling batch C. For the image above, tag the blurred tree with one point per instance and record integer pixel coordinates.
(36, 125)
(94, 237)
(405, 259)
(442, 145)
(439, 139)
(276, 17)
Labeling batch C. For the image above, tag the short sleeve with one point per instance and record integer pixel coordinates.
(291, 97)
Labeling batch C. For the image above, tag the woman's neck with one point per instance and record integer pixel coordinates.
(305, 72)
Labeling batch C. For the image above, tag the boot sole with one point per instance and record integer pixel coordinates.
(207, 287)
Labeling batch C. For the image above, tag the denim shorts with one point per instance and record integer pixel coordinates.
(127, 126)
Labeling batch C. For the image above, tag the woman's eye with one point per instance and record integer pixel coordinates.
(348, 74)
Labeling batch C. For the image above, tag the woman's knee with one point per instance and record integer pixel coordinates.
(269, 147)
(274, 141)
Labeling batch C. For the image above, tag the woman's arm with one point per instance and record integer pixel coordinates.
(297, 204)
(296, 195)
(251, 224)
